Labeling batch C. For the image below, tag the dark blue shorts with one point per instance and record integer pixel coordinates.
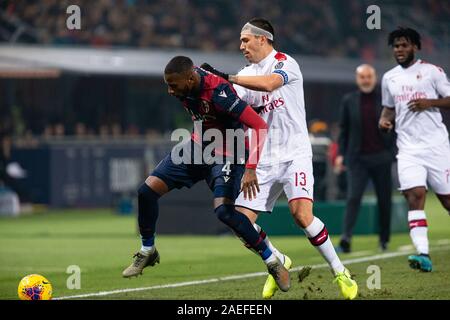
(224, 180)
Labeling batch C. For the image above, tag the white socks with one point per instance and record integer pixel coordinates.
(274, 250)
(318, 236)
(146, 250)
(270, 259)
(418, 230)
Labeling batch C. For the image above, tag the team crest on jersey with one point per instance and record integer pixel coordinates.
(279, 65)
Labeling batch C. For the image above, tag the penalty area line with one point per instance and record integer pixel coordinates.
(381, 256)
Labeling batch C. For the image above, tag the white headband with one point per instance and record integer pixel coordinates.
(249, 28)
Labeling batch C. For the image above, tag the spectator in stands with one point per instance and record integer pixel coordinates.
(163, 24)
(80, 130)
(320, 142)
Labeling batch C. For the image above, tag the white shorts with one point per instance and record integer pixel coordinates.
(426, 167)
(294, 177)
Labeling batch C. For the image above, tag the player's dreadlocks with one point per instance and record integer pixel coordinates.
(409, 34)
(179, 64)
(265, 25)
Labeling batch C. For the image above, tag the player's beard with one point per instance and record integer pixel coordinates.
(185, 93)
(408, 60)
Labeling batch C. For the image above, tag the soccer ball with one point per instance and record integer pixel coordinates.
(34, 287)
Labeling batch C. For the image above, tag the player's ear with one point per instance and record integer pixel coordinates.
(263, 40)
(190, 76)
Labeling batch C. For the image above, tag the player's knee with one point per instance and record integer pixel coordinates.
(303, 218)
(415, 197)
(225, 213)
(147, 194)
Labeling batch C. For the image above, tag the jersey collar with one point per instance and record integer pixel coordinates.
(411, 67)
(196, 93)
(267, 59)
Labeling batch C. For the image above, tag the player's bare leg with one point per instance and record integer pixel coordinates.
(315, 230)
(148, 195)
(418, 228)
(270, 286)
(445, 201)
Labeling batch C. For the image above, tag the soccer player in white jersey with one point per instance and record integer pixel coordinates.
(412, 94)
(273, 83)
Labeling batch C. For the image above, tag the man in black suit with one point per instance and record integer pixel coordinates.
(365, 152)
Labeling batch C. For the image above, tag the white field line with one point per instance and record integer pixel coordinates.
(381, 256)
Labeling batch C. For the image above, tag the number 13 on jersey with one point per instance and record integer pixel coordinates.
(300, 179)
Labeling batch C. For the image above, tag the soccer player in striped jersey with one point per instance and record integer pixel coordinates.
(213, 102)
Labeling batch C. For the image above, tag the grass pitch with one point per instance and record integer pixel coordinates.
(102, 243)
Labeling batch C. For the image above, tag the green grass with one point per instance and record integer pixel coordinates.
(101, 244)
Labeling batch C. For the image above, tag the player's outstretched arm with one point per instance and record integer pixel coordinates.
(208, 67)
(226, 100)
(267, 83)
(387, 119)
(249, 182)
(252, 120)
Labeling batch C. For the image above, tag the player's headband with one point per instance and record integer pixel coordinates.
(249, 28)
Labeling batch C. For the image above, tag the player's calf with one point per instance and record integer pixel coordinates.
(415, 198)
(147, 212)
(244, 229)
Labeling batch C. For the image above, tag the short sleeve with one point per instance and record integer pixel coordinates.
(288, 69)
(441, 82)
(386, 96)
(241, 92)
(226, 100)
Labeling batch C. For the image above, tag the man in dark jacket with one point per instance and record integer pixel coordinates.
(365, 152)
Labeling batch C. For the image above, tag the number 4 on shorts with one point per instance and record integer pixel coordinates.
(227, 169)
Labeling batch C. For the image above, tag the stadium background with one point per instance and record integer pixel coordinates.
(86, 113)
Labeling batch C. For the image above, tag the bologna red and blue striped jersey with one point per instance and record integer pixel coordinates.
(217, 105)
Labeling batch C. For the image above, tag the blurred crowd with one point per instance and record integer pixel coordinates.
(308, 27)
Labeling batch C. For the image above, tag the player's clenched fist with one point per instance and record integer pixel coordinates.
(385, 125)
